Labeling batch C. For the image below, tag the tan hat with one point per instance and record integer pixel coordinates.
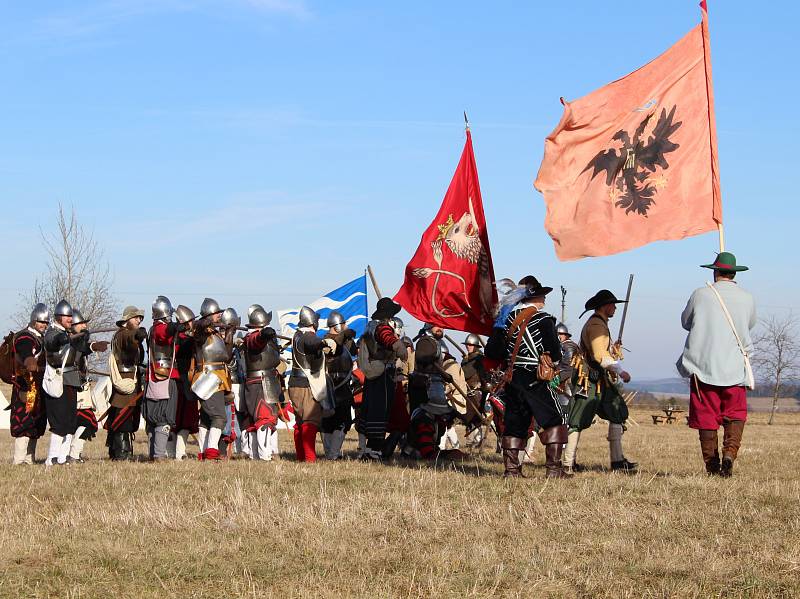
(128, 313)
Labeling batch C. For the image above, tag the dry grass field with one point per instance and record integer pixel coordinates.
(243, 529)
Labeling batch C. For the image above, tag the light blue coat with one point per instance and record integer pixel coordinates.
(711, 351)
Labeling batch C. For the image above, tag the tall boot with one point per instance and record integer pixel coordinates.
(299, 448)
(127, 446)
(389, 445)
(511, 447)
(570, 451)
(709, 446)
(309, 436)
(553, 439)
(731, 441)
(20, 449)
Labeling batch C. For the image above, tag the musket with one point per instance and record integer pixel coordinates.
(95, 331)
(457, 346)
(463, 393)
(625, 311)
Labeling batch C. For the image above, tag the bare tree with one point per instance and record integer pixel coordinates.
(777, 356)
(77, 271)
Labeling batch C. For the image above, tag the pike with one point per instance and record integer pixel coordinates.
(463, 393)
(457, 346)
(374, 281)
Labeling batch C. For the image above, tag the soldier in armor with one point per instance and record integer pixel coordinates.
(339, 364)
(28, 419)
(308, 383)
(64, 351)
(211, 380)
(476, 378)
(86, 419)
(230, 435)
(431, 420)
(187, 412)
(160, 402)
(596, 390)
(126, 365)
(262, 389)
(379, 349)
(454, 380)
(235, 436)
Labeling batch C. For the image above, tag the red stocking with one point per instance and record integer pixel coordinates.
(298, 442)
(309, 441)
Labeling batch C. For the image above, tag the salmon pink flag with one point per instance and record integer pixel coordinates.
(449, 281)
(636, 161)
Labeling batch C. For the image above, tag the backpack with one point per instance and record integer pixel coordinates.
(7, 365)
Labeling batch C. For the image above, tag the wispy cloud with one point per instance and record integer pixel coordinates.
(85, 21)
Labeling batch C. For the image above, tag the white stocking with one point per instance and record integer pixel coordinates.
(202, 439)
(54, 449)
(263, 444)
(180, 444)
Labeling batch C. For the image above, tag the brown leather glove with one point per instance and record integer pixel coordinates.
(31, 364)
(99, 346)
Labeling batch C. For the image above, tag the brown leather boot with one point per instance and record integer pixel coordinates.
(511, 447)
(709, 445)
(553, 439)
(731, 441)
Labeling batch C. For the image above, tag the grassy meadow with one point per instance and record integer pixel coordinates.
(284, 529)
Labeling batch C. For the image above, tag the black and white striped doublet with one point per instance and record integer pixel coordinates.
(532, 344)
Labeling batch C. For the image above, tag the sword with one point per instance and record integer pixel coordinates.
(625, 311)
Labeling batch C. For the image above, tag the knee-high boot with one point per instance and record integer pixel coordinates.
(709, 446)
(553, 439)
(731, 441)
(511, 447)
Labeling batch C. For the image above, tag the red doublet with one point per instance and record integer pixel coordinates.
(160, 336)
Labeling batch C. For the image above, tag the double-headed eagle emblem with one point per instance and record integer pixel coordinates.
(636, 172)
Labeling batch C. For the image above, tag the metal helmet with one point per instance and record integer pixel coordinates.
(562, 329)
(258, 317)
(253, 308)
(40, 313)
(63, 308)
(472, 339)
(184, 314)
(209, 307)
(77, 317)
(308, 318)
(336, 318)
(443, 348)
(231, 318)
(162, 308)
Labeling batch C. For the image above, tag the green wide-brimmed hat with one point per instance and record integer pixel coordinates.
(725, 262)
(128, 313)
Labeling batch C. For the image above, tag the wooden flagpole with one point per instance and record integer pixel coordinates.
(374, 282)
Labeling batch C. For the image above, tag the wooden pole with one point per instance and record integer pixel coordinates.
(374, 282)
(456, 345)
(721, 237)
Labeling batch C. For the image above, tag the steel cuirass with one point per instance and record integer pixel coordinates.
(340, 366)
(213, 349)
(56, 358)
(258, 364)
(303, 361)
(162, 356)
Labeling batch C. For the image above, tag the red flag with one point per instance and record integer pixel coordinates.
(449, 281)
(636, 161)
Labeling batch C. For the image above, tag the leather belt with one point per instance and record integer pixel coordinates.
(298, 374)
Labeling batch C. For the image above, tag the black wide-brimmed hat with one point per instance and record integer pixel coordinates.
(534, 286)
(386, 308)
(599, 299)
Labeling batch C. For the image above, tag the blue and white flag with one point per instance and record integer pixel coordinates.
(349, 299)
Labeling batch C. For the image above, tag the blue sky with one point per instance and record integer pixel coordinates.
(266, 150)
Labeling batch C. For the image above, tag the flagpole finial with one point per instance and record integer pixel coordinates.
(466, 121)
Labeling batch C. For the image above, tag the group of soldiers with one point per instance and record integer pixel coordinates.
(230, 385)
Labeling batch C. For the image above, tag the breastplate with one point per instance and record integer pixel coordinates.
(161, 355)
(213, 349)
(302, 360)
(56, 359)
(268, 359)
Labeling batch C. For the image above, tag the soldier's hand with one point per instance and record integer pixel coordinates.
(626, 378)
(99, 346)
(141, 334)
(330, 346)
(238, 342)
(31, 364)
(268, 333)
